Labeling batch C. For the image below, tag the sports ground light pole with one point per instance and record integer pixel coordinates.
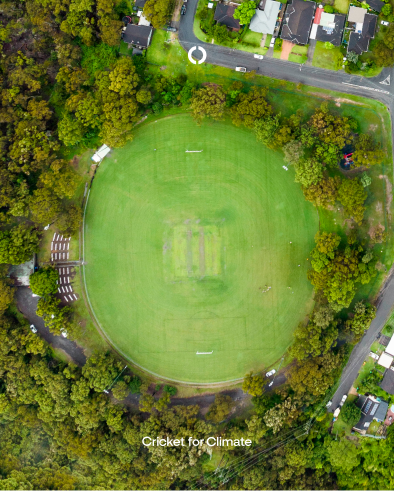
(106, 390)
(273, 380)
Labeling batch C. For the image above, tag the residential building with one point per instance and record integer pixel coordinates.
(139, 4)
(297, 21)
(138, 36)
(224, 15)
(328, 27)
(363, 26)
(390, 347)
(387, 384)
(375, 5)
(372, 408)
(385, 360)
(266, 17)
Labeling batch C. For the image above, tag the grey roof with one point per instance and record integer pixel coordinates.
(375, 5)
(137, 35)
(224, 15)
(139, 3)
(264, 20)
(356, 14)
(381, 412)
(384, 340)
(369, 25)
(298, 21)
(387, 384)
(332, 34)
(359, 42)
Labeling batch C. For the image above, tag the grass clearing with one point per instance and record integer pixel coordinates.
(342, 6)
(331, 59)
(180, 246)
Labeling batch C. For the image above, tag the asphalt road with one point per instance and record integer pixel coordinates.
(326, 79)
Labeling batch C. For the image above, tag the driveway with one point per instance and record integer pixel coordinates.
(287, 46)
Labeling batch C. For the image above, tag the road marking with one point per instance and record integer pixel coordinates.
(204, 55)
(386, 81)
(367, 88)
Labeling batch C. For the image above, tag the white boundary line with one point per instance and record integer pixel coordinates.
(367, 88)
(126, 357)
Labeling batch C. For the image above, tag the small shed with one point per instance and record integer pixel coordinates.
(101, 153)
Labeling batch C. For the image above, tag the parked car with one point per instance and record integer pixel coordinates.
(272, 42)
(336, 412)
(271, 372)
(343, 400)
(259, 57)
(384, 23)
(183, 9)
(329, 404)
(64, 332)
(33, 328)
(270, 384)
(240, 69)
(171, 29)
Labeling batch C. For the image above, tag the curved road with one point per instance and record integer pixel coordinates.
(325, 79)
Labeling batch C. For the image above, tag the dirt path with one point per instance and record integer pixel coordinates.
(287, 46)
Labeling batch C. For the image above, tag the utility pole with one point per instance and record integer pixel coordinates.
(113, 383)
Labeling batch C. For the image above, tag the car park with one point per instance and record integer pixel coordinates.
(271, 372)
(240, 69)
(183, 9)
(33, 328)
(384, 23)
(259, 57)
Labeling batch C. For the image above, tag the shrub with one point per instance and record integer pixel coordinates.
(329, 9)
(157, 108)
(170, 390)
(135, 385)
(351, 413)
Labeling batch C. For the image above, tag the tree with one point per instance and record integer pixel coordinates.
(351, 194)
(313, 340)
(208, 102)
(71, 130)
(121, 390)
(245, 12)
(352, 57)
(57, 319)
(144, 96)
(70, 220)
(350, 413)
(220, 33)
(266, 128)
(253, 384)
(386, 9)
(365, 179)
(280, 415)
(170, 390)
(366, 152)
(44, 281)
(343, 455)
(100, 371)
(309, 172)
(123, 77)
(293, 152)
(324, 193)
(250, 107)
(6, 295)
(363, 316)
(44, 206)
(135, 385)
(157, 12)
(220, 409)
(18, 244)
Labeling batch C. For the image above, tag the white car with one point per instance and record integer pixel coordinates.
(272, 372)
(384, 23)
(270, 384)
(259, 57)
(240, 69)
(343, 400)
(272, 42)
(64, 332)
(329, 404)
(33, 328)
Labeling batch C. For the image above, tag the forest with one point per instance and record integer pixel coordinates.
(65, 86)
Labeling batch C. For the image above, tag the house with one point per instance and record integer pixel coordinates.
(385, 360)
(20, 273)
(224, 15)
(138, 36)
(375, 5)
(139, 4)
(265, 18)
(363, 25)
(143, 20)
(387, 384)
(328, 27)
(372, 408)
(390, 347)
(297, 21)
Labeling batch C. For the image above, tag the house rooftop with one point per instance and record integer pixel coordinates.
(298, 21)
(264, 20)
(224, 15)
(385, 360)
(371, 408)
(330, 28)
(356, 14)
(140, 3)
(387, 384)
(376, 5)
(138, 35)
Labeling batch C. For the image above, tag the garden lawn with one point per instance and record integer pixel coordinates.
(179, 248)
(342, 6)
(327, 58)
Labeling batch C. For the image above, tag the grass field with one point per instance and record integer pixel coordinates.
(180, 246)
(327, 58)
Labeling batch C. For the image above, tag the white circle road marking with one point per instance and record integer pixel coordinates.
(204, 55)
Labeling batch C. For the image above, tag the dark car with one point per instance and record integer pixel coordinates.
(171, 29)
(183, 9)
